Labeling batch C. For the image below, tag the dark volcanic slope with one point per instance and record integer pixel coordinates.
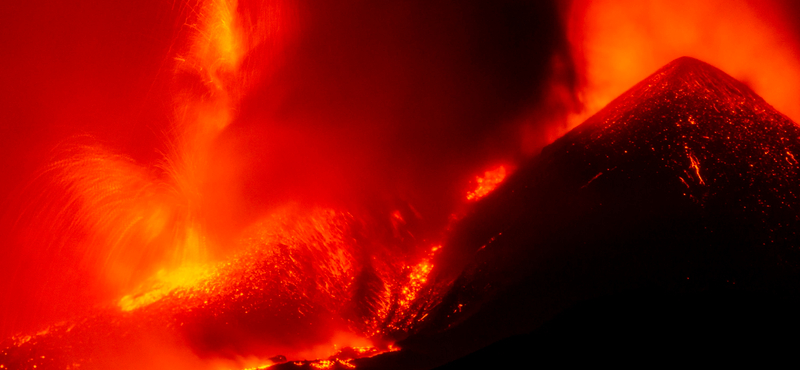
(683, 188)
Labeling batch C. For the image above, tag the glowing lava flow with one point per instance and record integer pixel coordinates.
(487, 183)
(299, 290)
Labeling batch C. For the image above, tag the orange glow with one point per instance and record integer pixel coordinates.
(618, 43)
(324, 229)
(145, 220)
(163, 283)
(487, 183)
(145, 225)
(134, 232)
(127, 219)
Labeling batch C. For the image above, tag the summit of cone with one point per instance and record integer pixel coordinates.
(690, 76)
(693, 124)
(682, 92)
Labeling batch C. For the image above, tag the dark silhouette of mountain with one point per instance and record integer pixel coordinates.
(669, 220)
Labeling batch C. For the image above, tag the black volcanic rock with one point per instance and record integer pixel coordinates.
(679, 198)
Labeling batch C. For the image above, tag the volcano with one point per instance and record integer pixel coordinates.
(668, 220)
(672, 211)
